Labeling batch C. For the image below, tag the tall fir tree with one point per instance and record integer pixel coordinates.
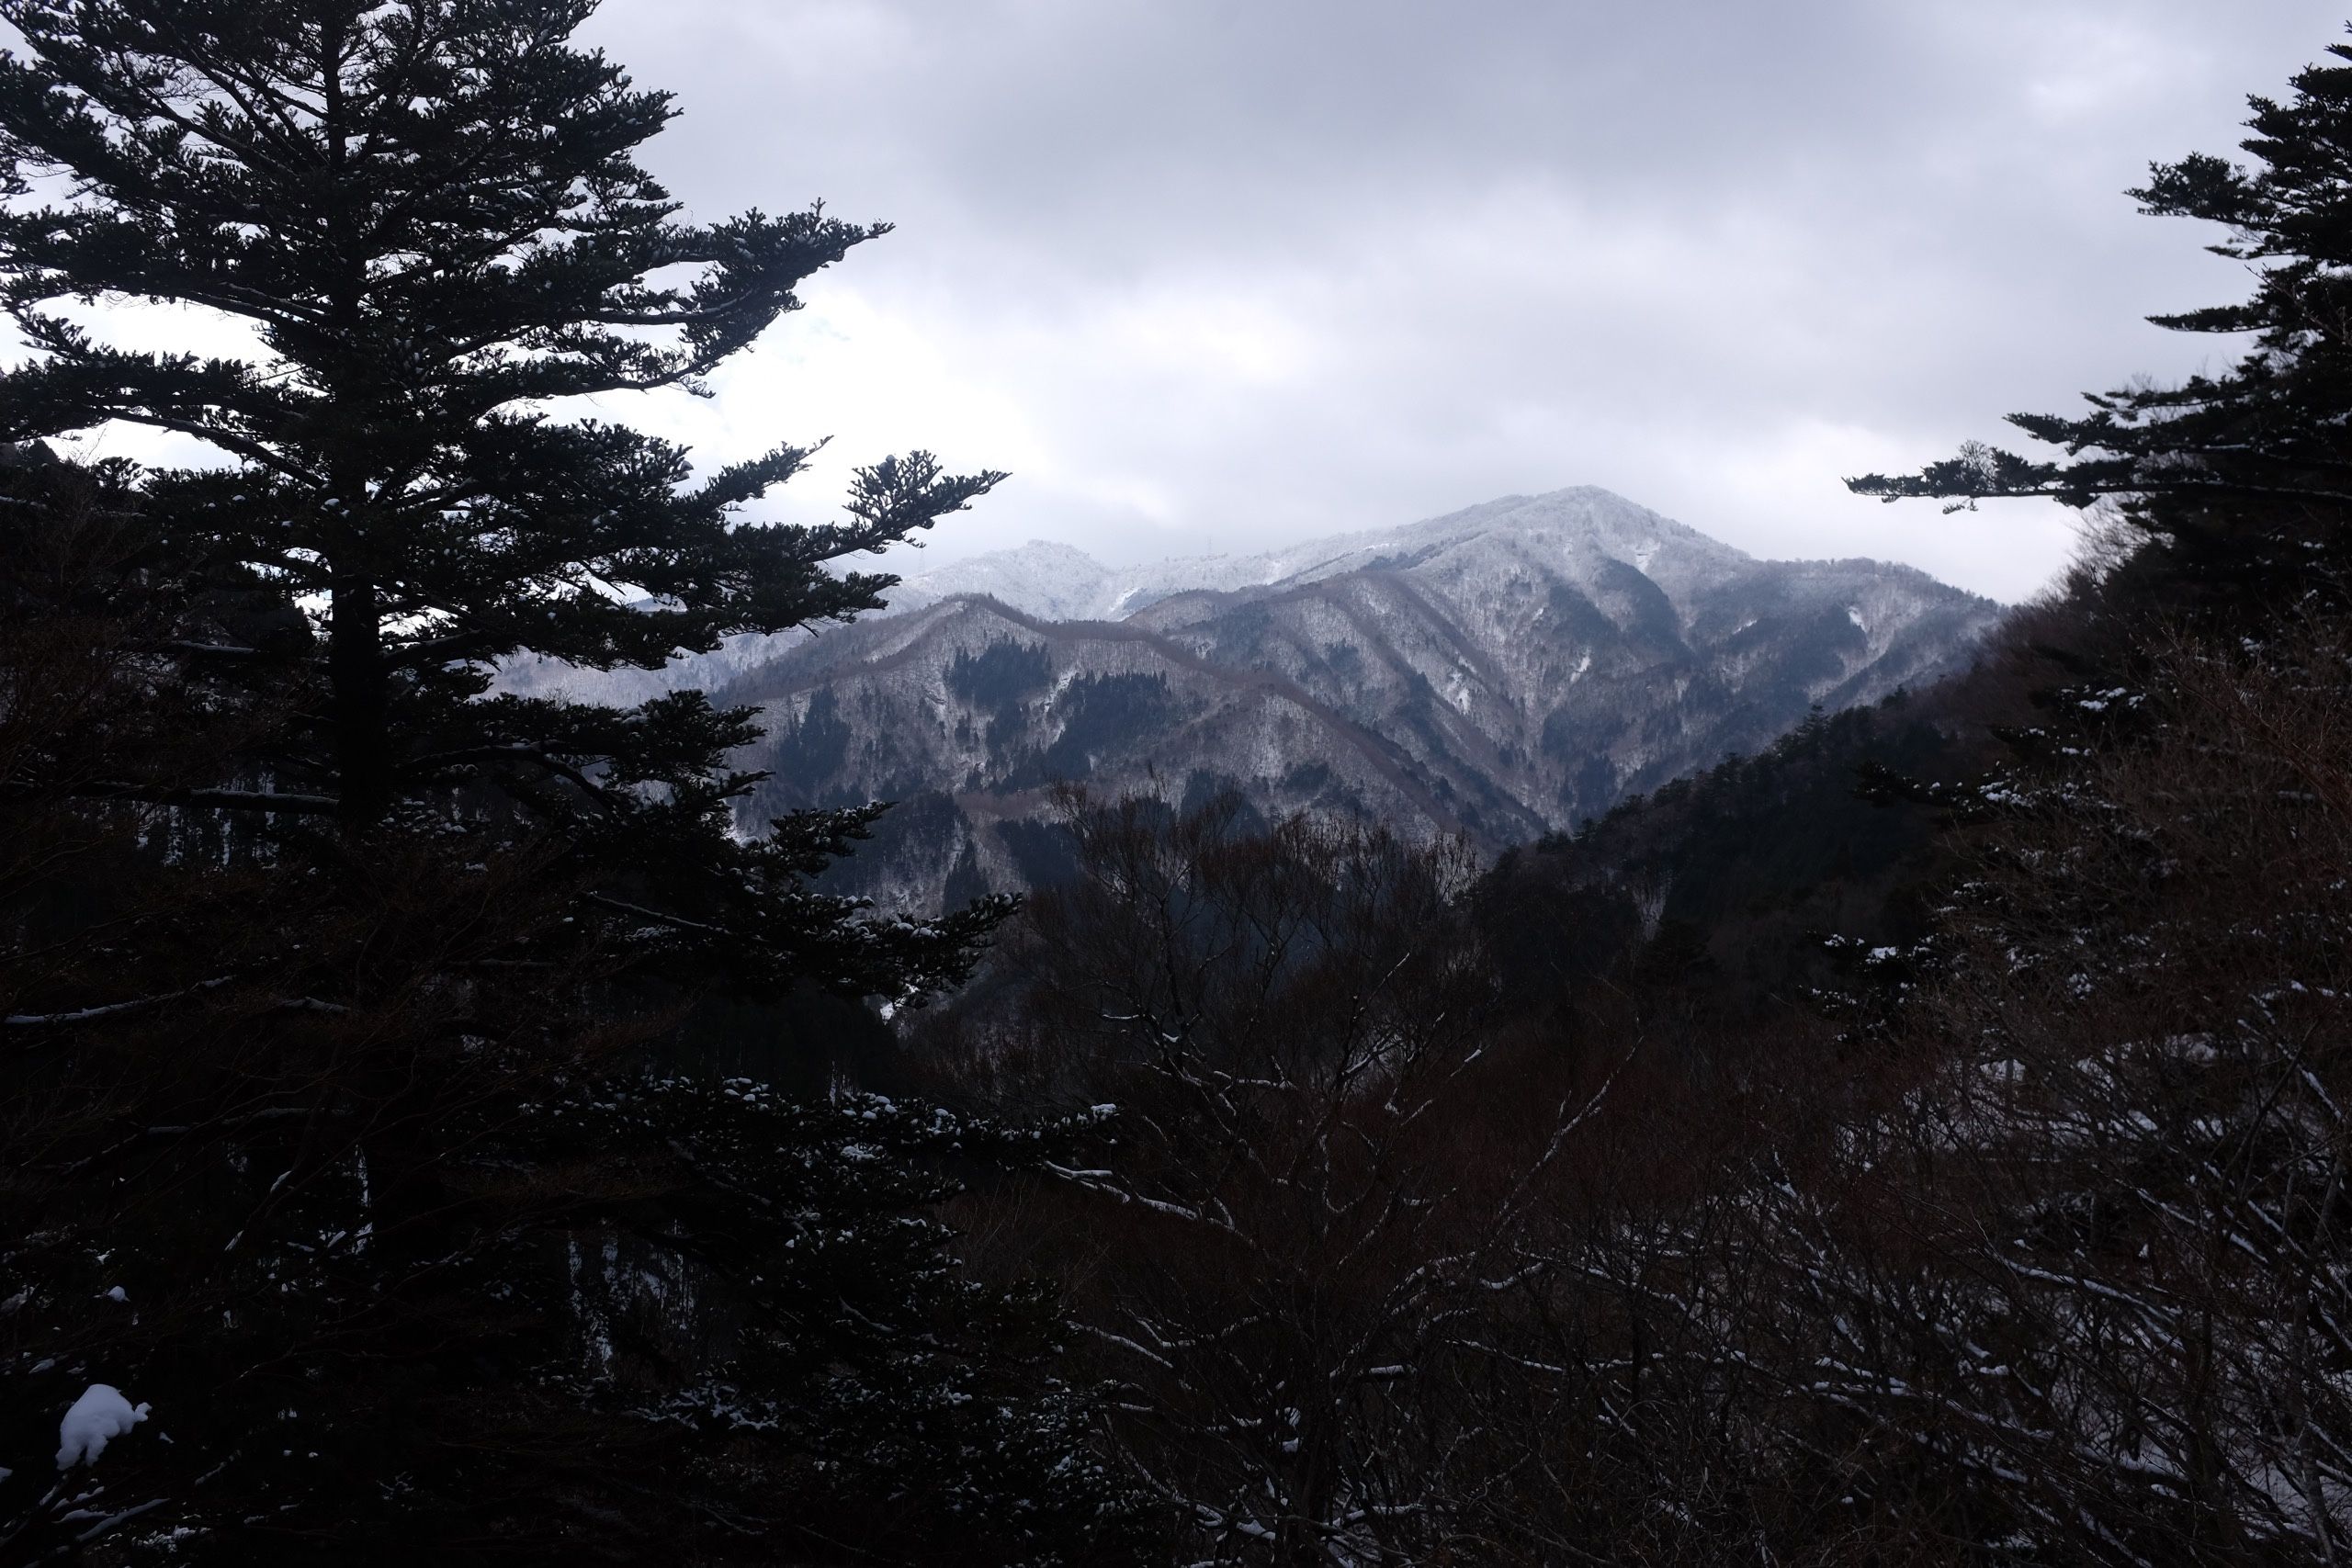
(335, 979)
(430, 216)
(2235, 488)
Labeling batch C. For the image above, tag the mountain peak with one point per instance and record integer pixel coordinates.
(1498, 672)
(1574, 529)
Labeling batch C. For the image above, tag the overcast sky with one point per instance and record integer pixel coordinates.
(1218, 274)
(1214, 274)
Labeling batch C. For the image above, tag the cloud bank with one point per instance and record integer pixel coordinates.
(1219, 274)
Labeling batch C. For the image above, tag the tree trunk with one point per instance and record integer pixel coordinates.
(357, 678)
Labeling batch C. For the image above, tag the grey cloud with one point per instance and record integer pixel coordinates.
(1216, 273)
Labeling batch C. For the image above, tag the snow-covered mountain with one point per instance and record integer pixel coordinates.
(1498, 672)
(1059, 583)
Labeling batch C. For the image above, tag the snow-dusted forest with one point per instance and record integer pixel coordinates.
(1899, 1112)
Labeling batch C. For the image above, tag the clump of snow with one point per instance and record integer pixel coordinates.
(118, 1295)
(99, 1416)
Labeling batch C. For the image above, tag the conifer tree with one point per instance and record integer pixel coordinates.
(430, 215)
(338, 982)
(2239, 483)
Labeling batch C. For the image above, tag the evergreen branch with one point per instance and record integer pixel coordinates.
(113, 1009)
(252, 448)
(511, 752)
(401, 654)
(214, 650)
(213, 799)
(678, 922)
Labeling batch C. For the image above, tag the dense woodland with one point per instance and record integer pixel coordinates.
(437, 1132)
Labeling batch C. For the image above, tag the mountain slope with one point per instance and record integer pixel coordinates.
(1498, 672)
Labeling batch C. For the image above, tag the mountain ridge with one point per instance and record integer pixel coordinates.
(753, 690)
(1499, 672)
(1026, 564)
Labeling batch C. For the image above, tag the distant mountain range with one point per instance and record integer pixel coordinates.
(1497, 672)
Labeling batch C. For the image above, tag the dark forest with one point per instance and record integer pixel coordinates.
(450, 1123)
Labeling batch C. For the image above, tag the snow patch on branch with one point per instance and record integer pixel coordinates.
(99, 1416)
